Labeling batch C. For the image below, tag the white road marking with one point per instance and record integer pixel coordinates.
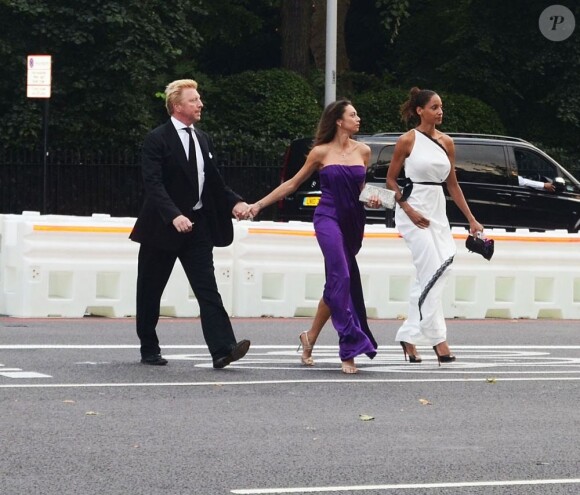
(18, 373)
(264, 346)
(529, 363)
(23, 374)
(284, 382)
(361, 488)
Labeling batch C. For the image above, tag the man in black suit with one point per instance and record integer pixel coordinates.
(187, 211)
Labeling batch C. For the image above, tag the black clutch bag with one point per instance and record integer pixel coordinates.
(480, 245)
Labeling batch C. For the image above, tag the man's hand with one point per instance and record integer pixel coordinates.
(241, 210)
(548, 186)
(182, 224)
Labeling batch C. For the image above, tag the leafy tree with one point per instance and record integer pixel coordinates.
(380, 112)
(109, 57)
(493, 50)
(260, 110)
(237, 35)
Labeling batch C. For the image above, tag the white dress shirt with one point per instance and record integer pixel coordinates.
(184, 136)
(536, 184)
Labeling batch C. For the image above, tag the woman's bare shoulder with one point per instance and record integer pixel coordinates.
(407, 137)
(447, 142)
(406, 141)
(363, 147)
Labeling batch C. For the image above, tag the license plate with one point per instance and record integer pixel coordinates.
(311, 201)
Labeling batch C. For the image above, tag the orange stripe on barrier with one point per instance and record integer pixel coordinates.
(303, 233)
(394, 235)
(290, 232)
(79, 228)
(387, 235)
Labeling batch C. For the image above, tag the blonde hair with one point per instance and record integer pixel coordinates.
(173, 92)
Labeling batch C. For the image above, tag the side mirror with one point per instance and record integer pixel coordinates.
(560, 184)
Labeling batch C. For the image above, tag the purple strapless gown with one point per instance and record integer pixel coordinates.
(339, 221)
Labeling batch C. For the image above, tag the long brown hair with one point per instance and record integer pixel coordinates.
(327, 125)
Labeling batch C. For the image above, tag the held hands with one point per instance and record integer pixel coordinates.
(254, 210)
(240, 210)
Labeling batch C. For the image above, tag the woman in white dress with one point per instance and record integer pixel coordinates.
(428, 158)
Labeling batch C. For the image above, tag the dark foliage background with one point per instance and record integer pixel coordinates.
(112, 59)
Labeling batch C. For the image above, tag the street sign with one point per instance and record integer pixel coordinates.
(38, 80)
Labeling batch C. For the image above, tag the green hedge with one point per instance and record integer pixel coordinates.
(260, 110)
(379, 112)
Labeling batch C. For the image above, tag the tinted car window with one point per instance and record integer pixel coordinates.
(533, 166)
(378, 169)
(480, 163)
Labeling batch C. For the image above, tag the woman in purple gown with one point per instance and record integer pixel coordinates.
(339, 222)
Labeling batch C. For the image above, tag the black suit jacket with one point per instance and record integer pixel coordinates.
(169, 191)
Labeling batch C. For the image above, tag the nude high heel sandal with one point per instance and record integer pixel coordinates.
(349, 369)
(305, 344)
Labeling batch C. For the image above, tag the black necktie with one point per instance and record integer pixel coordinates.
(193, 163)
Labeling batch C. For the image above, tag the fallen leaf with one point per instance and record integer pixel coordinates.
(365, 417)
(491, 380)
(425, 402)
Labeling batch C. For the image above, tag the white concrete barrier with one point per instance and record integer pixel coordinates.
(279, 269)
(531, 275)
(72, 266)
(280, 272)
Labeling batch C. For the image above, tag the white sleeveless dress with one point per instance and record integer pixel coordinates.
(432, 249)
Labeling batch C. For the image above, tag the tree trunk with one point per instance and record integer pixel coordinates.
(318, 36)
(295, 31)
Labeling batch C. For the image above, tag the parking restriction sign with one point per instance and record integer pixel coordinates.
(38, 80)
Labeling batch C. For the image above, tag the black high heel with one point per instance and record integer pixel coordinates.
(443, 358)
(413, 358)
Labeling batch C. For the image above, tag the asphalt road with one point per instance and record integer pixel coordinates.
(80, 415)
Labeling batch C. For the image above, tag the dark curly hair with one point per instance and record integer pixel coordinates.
(417, 98)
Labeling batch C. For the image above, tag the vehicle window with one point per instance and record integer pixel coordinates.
(480, 163)
(533, 166)
(383, 160)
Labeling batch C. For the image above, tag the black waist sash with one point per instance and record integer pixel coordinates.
(408, 187)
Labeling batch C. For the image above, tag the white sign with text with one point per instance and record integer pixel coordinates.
(38, 80)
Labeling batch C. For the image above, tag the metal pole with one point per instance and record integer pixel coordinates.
(330, 73)
(45, 159)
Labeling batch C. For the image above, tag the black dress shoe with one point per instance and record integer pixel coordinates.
(154, 360)
(238, 352)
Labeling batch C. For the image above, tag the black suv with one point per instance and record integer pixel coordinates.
(487, 169)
